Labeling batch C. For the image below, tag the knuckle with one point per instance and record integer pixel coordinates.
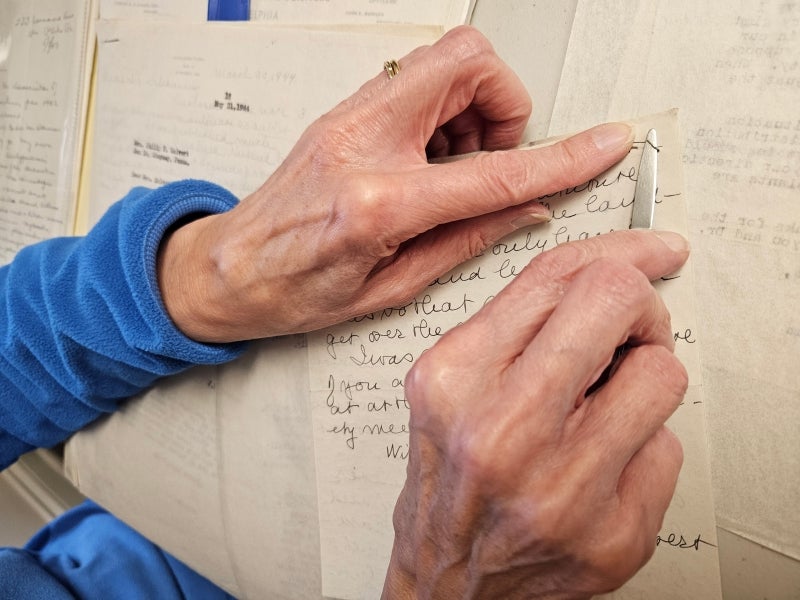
(621, 281)
(361, 200)
(561, 262)
(663, 368)
(466, 42)
(504, 173)
(570, 257)
(562, 163)
(428, 386)
(477, 241)
(670, 447)
(621, 552)
(358, 214)
(329, 142)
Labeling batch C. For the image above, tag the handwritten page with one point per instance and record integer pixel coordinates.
(447, 13)
(737, 86)
(43, 74)
(360, 414)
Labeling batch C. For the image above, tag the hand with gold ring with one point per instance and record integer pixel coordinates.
(357, 218)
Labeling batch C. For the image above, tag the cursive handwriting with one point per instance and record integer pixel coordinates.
(684, 336)
(678, 541)
(373, 360)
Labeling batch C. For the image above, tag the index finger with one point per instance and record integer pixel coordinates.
(491, 181)
(492, 335)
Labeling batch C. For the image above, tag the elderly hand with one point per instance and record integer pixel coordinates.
(357, 219)
(519, 484)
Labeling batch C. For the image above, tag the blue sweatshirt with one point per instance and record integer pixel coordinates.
(83, 328)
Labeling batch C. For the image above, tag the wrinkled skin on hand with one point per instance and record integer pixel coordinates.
(519, 485)
(357, 218)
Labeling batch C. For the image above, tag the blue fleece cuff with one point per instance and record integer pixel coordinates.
(84, 325)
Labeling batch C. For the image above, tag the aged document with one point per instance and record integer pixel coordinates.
(44, 66)
(733, 69)
(360, 414)
(217, 467)
(203, 109)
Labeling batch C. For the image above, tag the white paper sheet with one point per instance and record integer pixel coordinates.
(180, 100)
(733, 69)
(217, 467)
(445, 13)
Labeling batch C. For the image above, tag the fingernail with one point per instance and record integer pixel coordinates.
(529, 219)
(612, 135)
(674, 241)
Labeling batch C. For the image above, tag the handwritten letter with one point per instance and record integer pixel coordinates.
(360, 413)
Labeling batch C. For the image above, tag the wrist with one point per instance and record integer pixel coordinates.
(188, 279)
(400, 583)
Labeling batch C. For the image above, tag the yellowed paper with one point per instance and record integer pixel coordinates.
(360, 414)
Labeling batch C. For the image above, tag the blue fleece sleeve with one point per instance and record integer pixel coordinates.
(82, 324)
(88, 553)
